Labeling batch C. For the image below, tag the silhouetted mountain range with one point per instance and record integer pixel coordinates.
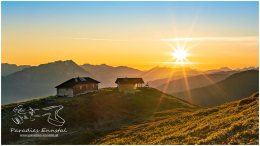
(191, 82)
(222, 69)
(108, 74)
(11, 68)
(235, 87)
(167, 72)
(37, 81)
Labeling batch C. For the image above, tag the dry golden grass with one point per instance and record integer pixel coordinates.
(232, 123)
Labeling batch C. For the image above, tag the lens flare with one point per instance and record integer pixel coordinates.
(180, 56)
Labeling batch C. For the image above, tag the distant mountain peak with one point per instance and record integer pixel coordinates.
(59, 62)
(87, 65)
(40, 80)
(96, 65)
(8, 69)
(225, 69)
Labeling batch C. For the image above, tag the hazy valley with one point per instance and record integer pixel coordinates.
(39, 81)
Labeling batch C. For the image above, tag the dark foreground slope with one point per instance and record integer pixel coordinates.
(235, 87)
(231, 123)
(92, 115)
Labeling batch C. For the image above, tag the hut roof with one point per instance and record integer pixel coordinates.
(79, 80)
(129, 80)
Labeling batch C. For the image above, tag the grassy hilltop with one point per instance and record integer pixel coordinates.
(146, 117)
(92, 115)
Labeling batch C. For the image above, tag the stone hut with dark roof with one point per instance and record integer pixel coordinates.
(127, 84)
(77, 86)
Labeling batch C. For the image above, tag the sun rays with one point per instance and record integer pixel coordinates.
(181, 61)
(180, 54)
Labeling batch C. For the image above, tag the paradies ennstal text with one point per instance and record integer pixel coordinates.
(42, 130)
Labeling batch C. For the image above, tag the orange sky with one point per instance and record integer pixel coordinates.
(142, 54)
(131, 34)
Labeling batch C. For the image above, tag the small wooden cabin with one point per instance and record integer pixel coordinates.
(127, 84)
(77, 86)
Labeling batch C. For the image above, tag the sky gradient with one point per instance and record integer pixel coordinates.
(135, 34)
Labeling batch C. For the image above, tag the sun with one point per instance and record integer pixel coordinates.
(180, 55)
